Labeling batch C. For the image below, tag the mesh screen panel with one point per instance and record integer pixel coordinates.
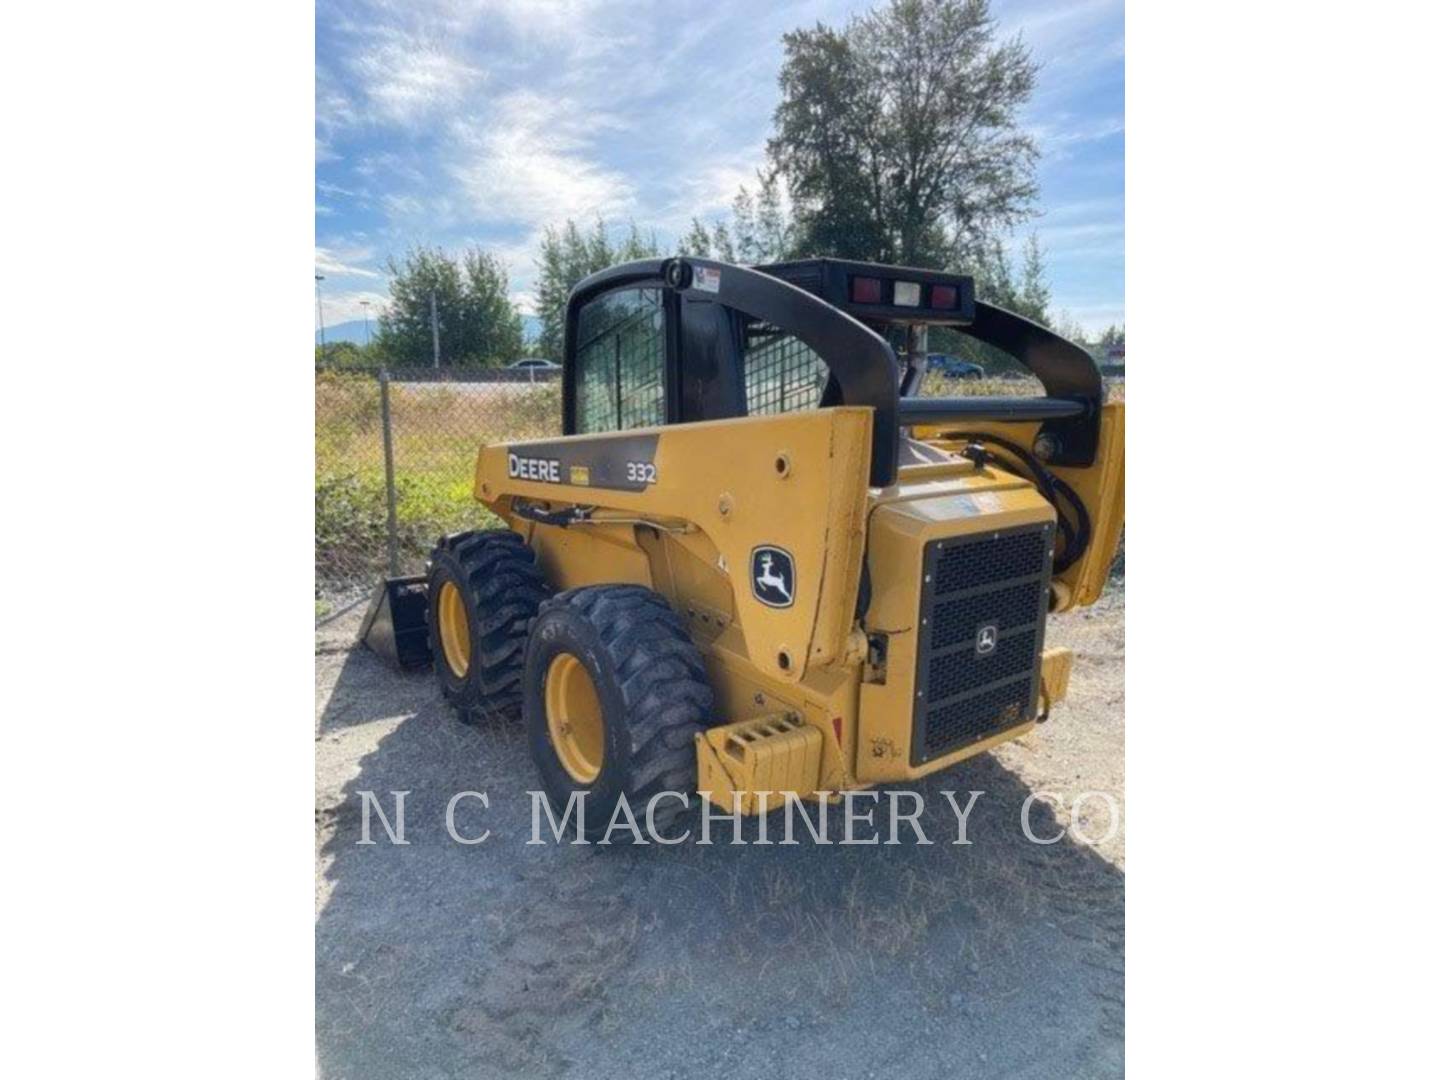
(982, 629)
(959, 620)
(782, 373)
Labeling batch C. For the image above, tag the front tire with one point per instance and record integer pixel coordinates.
(484, 591)
(615, 693)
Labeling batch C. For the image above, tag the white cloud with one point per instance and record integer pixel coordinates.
(548, 19)
(1081, 232)
(344, 262)
(406, 78)
(709, 187)
(399, 205)
(333, 108)
(1053, 22)
(412, 62)
(482, 121)
(530, 163)
(456, 18)
(1057, 135)
(347, 306)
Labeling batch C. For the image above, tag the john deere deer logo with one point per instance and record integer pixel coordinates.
(986, 639)
(772, 576)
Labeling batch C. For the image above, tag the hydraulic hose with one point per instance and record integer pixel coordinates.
(1055, 490)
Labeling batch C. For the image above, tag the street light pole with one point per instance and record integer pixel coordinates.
(320, 313)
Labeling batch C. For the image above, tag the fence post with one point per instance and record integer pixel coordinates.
(392, 538)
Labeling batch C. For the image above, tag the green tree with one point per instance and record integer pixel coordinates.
(490, 332)
(763, 230)
(1025, 292)
(1113, 335)
(697, 241)
(708, 243)
(347, 356)
(994, 276)
(1069, 328)
(898, 137)
(722, 246)
(1033, 297)
(567, 256)
(479, 326)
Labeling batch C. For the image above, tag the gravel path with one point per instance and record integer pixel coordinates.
(1003, 958)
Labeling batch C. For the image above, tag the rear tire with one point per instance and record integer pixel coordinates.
(648, 682)
(484, 590)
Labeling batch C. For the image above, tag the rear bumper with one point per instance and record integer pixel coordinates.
(780, 755)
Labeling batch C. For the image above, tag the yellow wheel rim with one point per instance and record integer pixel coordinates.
(572, 713)
(454, 629)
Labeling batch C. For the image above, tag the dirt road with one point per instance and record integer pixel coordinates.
(1003, 958)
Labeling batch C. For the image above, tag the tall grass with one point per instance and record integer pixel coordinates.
(437, 430)
(937, 385)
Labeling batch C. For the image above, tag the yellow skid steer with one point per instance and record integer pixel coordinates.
(757, 561)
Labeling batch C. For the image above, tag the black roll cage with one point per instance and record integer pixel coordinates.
(863, 367)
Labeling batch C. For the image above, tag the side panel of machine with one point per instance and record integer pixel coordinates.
(775, 503)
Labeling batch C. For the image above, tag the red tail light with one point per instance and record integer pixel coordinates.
(865, 290)
(944, 297)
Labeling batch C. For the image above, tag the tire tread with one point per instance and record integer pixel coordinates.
(506, 588)
(661, 676)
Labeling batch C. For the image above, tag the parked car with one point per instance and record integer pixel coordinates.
(952, 367)
(535, 368)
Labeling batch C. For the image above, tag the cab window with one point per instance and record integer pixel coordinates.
(620, 361)
(782, 373)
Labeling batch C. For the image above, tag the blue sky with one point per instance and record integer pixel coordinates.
(458, 122)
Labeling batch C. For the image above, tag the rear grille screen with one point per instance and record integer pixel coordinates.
(982, 629)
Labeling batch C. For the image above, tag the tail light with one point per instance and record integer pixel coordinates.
(865, 290)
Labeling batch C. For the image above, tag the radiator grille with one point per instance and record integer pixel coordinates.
(996, 585)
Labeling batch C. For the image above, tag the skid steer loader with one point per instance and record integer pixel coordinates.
(757, 563)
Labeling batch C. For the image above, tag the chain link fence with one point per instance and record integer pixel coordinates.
(395, 453)
(395, 465)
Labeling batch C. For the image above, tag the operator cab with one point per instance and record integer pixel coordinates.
(673, 341)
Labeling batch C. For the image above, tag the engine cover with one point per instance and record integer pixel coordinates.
(961, 577)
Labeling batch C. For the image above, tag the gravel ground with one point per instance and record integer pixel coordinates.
(1002, 958)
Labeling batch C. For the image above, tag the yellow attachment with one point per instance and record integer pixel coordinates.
(574, 719)
(772, 754)
(1055, 665)
(454, 629)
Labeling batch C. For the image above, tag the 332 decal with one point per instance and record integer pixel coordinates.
(640, 472)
